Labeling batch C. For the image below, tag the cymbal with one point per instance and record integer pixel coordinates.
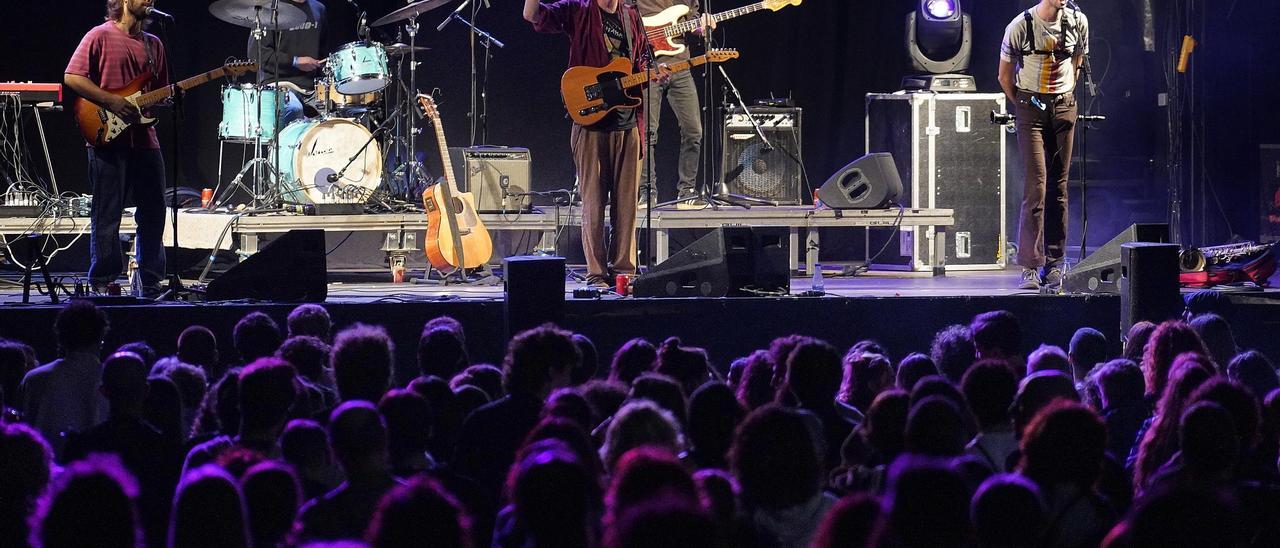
(246, 13)
(410, 11)
(396, 50)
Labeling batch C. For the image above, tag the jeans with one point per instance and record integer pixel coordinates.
(113, 172)
(1044, 139)
(682, 94)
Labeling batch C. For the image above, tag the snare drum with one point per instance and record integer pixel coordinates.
(248, 113)
(312, 150)
(358, 68)
(325, 93)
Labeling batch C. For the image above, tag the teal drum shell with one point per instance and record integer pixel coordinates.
(248, 113)
(358, 68)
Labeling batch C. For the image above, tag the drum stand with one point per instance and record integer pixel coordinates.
(262, 166)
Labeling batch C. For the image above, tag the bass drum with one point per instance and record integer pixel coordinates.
(313, 150)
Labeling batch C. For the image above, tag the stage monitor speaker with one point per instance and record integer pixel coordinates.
(292, 268)
(1100, 271)
(728, 262)
(497, 176)
(870, 182)
(767, 171)
(1149, 289)
(535, 292)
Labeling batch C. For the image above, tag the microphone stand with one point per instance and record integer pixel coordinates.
(479, 114)
(175, 289)
(337, 176)
(723, 194)
(1085, 122)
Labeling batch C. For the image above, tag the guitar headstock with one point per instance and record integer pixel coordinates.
(776, 5)
(428, 106)
(236, 68)
(721, 55)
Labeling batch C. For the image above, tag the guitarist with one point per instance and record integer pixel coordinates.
(111, 56)
(682, 94)
(606, 154)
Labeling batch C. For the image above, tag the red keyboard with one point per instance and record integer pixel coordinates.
(29, 92)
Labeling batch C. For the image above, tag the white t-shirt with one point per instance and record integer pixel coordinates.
(1045, 72)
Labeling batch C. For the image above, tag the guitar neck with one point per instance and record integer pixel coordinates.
(640, 78)
(153, 97)
(692, 24)
(445, 161)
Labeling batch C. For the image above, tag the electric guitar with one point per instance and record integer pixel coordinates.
(589, 93)
(100, 126)
(664, 28)
(456, 237)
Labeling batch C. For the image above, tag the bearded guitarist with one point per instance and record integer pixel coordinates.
(111, 56)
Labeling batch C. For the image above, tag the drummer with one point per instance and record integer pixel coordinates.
(298, 55)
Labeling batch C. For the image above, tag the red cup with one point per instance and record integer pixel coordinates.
(206, 197)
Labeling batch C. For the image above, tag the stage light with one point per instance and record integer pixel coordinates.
(939, 42)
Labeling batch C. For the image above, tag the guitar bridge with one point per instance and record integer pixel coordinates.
(591, 110)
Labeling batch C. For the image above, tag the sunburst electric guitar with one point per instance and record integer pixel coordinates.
(589, 93)
(100, 126)
(456, 237)
(664, 28)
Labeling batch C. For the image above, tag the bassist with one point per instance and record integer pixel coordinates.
(110, 56)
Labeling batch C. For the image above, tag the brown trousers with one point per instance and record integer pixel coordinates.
(608, 164)
(1044, 139)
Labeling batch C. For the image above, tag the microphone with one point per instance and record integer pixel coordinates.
(152, 12)
(332, 177)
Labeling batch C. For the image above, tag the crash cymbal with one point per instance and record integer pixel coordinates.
(396, 50)
(273, 14)
(410, 11)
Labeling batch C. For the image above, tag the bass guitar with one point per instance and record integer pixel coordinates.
(589, 93)
(664, 28)
(456, 237)
(100, 126)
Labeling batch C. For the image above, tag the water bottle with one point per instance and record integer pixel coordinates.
(818, 283)
(135, 279)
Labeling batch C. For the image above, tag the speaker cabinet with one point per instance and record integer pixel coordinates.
(534, 291)
(1100, 271)
(750, 167)
(1149, 289)
(728, 262)
(292, 268)
(497, 176)
(870, 182)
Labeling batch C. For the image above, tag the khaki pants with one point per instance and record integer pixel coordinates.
(608, 164)
(1044, 139)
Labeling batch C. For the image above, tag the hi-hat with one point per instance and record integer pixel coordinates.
(272, 14)
(396, 50)
(410, 11)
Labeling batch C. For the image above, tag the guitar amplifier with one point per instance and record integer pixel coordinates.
(497, 176)
(750, 168)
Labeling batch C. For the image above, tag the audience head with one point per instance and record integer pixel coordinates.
(124, 382)
(935, 428)
(539, 361)
(572, 435)
(989, 387)
(447, 322)
(220, 410)
(1218, 340)
(409, 422)
(568, 403)
(470, 398)
(271, 496)
(1182, 517)
(953, 352)
(256, 336)
(309, 355)
(208, 510)
(644, 473)
(1064, 445)
(814, 374)
(885, 428)
(1007, 511)
(1087, 349)
(143, 351)
(775, 458)
(914, 367)
(664, 391)
(310, 320)
(687, 365)
(666, 520)
(714, 415)
(267, 391)
(756, 387)
(1239, 402)
(14, 364)
(605, 396)
(25, 462)
(996, 335)
(779, 350)
(1135, 341)
(865, 376)
(162, 408)
(419, 511)
(853, 521)
(926, 504)
(1188, 372)
(1036, 392)
(362, 360)
(1210, 445)
(636, 357)
(1119, 384)
(590, 360)
(304, 444)
(358, 437)
(556, 496)
(718, 491)
(1169, 340)
(192, 381)
(92, 503)
(640, 423)
(484, 376)
(442, 352)
(1049, 358)
(80, 327)
(1251, 368)
(198, 346)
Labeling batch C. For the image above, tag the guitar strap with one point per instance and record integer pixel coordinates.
(151, 60)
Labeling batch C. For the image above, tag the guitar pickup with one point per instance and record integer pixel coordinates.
(593, 92)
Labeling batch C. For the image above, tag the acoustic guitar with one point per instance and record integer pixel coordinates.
(664, 28)
(456, 237)
(100, 126)
(589, 93)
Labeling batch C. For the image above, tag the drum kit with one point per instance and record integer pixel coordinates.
(335, 158)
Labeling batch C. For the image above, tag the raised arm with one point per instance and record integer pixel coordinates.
(531, 8)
